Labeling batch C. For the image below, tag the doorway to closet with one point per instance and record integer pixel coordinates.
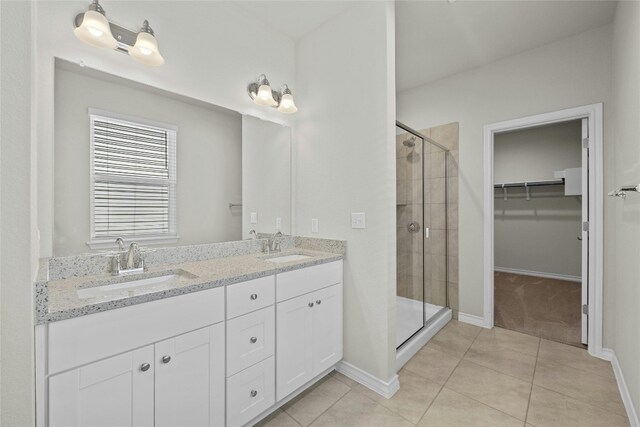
(543, 226)
(538, 242)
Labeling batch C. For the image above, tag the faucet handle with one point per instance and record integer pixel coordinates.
(120, 243)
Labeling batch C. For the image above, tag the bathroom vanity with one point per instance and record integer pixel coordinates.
(213, 342)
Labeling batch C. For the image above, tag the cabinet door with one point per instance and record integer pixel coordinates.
(190, 379)
(327, 328)
(294, 363)
(112, 392)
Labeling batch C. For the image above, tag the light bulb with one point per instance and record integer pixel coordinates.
(265, 96)
(95, 30)
(145, 49)
(286, 103)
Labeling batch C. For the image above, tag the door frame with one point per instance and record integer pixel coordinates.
(594, 113)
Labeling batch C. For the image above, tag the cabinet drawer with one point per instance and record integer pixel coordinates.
(298, 282)
(85, 339)
(250, 392)
(249, 296)
(250, 339)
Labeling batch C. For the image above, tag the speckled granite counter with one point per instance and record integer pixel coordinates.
(58, 299)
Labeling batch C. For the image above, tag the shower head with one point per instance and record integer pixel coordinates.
(411, 142)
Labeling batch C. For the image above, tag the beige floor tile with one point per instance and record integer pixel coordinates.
(413, 398)
(340, 377)
(520, 365)
(452, 409)
(357, 410)
(312, 403)
(455, 338)
(548, 408)
(278, 419)
(574, 357)
(504, 339)
(502, 392)
(432, 364)
(584, 386)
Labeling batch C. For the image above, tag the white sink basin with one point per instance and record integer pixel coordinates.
(133, 287)
(288, 258)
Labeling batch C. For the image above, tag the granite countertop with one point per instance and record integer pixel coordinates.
(58, 299)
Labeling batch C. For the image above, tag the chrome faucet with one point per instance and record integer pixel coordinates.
(134, 260)
(274, 242)
(253, 233)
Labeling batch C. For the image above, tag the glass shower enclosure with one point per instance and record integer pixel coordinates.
(421, 230)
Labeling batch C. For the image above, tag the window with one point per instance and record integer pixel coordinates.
(133, 180)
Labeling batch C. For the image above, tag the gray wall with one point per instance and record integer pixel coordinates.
(209, 150)
(17, 220)
(539, 235)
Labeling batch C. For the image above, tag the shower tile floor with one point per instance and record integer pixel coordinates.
(468, 376)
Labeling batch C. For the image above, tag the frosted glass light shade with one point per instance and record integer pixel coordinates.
(287, 105)
(146, 50)
(95, 30)
(265, 96)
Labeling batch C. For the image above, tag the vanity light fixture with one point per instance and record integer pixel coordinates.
(93, 28)
(261, 93)
(145, 49)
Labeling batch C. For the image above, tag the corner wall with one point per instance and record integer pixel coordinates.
(16, 291)
(624, 224)
(571, 72)
(344, 159)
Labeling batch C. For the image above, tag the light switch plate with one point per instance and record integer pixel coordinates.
(357, 220)
(314, 225)
(278, 224)
(254, 217)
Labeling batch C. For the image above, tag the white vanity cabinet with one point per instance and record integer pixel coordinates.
(309, 325)
(114, 369)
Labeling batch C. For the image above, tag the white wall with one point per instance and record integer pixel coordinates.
(571, 72)
(212, 51)
(344, 159)
(16, 290)
(625, 222)
(540, 234)
(209, 149)
(266, 176)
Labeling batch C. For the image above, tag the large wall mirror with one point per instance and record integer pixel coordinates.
(159, 168)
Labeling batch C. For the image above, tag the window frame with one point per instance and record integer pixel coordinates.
(100, 242)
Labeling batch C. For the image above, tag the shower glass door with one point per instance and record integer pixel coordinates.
(410, 170)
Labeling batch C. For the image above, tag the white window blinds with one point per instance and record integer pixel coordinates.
(133, 167)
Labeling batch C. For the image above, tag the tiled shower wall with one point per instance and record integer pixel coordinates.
(440, 184)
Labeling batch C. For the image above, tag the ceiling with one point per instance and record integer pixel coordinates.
(435, 39)
(295, 19)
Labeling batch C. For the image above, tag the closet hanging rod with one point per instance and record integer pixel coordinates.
(529, 183)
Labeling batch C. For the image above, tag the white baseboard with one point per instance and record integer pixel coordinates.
(622, 386)
(538, 274)
(472, 320)
(383, 388)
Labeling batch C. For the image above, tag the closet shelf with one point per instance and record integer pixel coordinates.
(529, 183)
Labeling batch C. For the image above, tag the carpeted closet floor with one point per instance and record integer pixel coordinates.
(546, 308)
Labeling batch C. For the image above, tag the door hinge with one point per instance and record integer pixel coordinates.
(585, 142)
(585, 226)
(585, 309)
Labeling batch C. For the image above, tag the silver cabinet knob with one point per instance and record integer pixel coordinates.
(166, 359)
(254, 297)
(254, 393)
(145, 367)
(254, 340)
(319, 301)
(310, 304)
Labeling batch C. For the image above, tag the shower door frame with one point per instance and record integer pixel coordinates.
(425, 140)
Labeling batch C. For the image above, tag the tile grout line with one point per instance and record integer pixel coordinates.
(452, 371)
(333, 404)
(526, 414)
